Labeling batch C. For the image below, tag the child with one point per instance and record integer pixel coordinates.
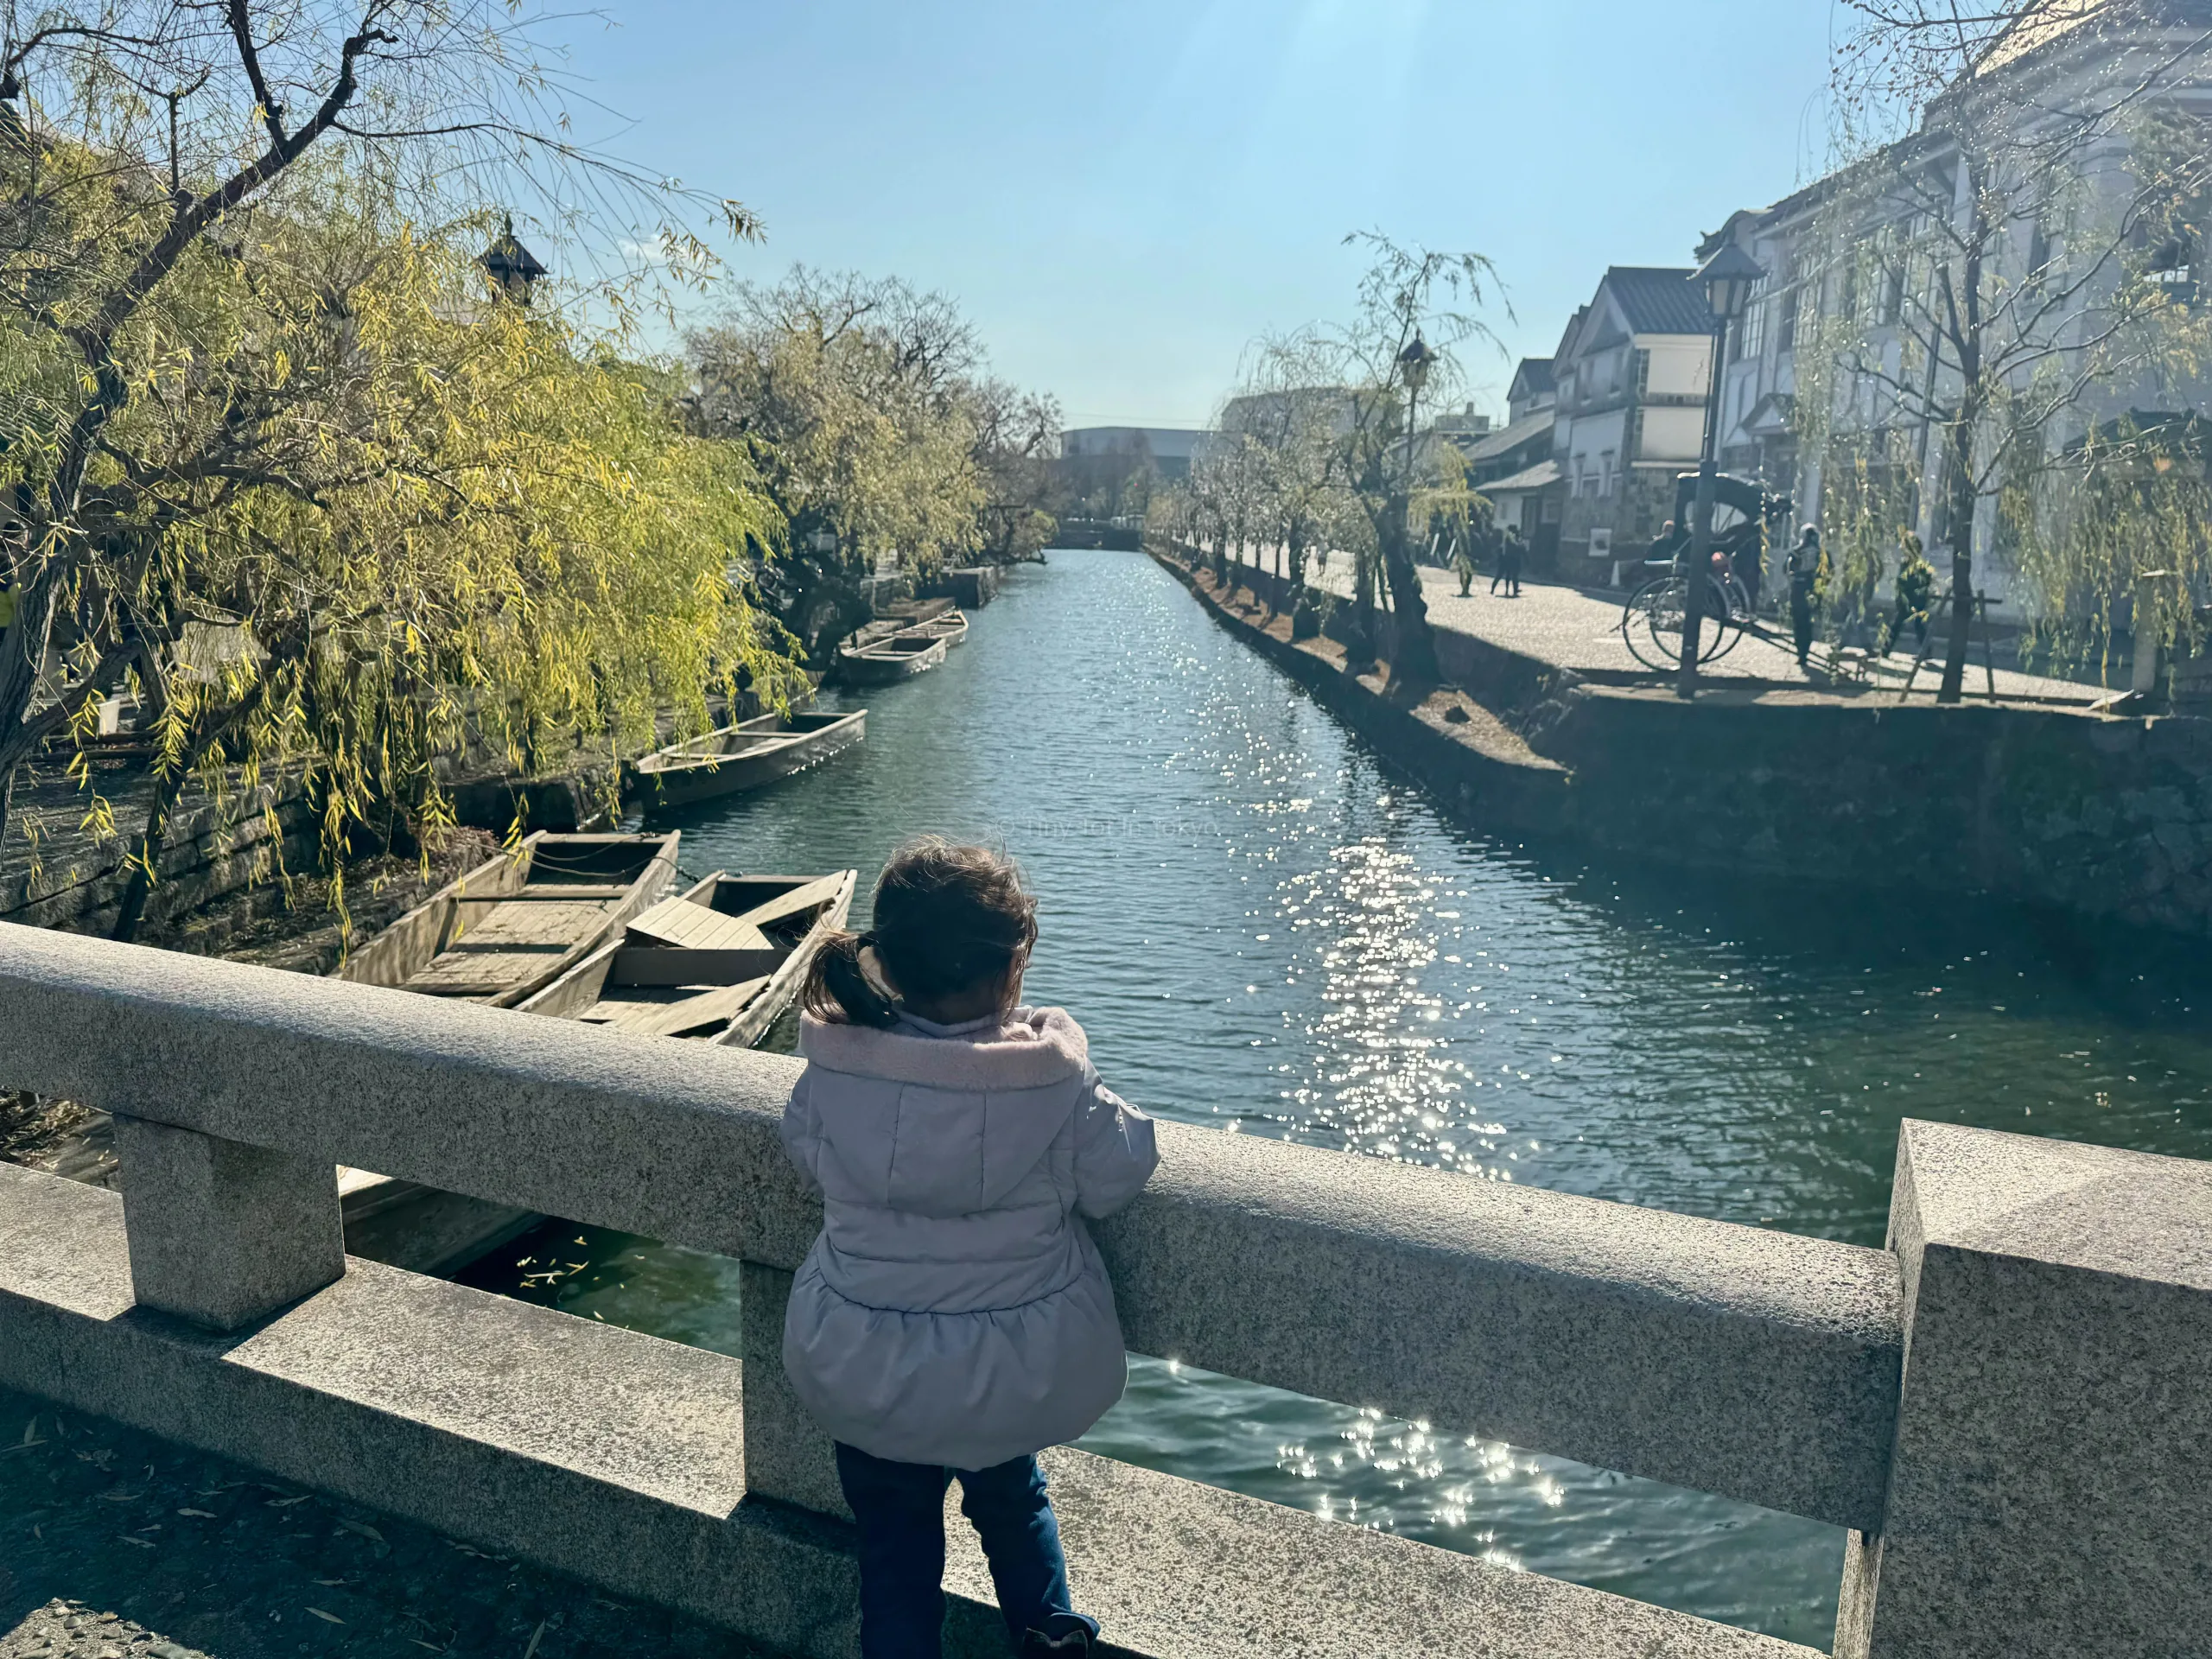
(954, 1317)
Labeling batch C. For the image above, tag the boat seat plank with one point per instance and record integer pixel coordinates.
(654, 965)
(812, 896)
(576, 894)
(685, 925)
(709, 1008)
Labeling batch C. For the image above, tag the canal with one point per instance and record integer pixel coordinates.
(1264, 931)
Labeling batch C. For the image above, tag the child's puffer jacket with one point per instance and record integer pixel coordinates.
(954, 1310)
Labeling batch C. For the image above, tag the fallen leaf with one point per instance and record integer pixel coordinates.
(204, 1515)
(361, 1527)
(330, 1618)
(143, 1543)
(425, 1645)
(287, 1502)
(536, 1636)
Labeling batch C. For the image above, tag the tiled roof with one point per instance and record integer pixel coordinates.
(1534, 378)
(1660, 300)
(1542, 474)
(1506, 439)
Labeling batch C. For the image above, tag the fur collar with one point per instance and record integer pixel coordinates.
(1034, 1049)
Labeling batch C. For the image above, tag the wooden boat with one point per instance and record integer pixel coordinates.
(743, 756)
(951, 627)
(497, 935)
(716, 964)
(513, 926)
(911, 651)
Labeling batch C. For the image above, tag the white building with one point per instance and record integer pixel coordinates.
(1861, 253)
(1630, 374)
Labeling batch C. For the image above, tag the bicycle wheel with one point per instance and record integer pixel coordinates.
(1651, 623)
(1731, 620)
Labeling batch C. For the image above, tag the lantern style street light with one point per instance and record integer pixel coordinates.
(514, 269)
(1729, 279)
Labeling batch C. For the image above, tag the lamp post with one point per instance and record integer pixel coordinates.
(1727, 278)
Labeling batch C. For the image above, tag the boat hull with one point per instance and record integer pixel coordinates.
(878, 666)
(671, 779)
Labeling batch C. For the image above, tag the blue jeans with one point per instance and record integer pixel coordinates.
(901, 1508)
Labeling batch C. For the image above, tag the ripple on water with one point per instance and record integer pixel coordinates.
(1262, 928)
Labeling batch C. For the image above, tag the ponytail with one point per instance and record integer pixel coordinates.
(837, 987)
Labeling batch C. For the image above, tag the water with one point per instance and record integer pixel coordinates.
(1265, 930)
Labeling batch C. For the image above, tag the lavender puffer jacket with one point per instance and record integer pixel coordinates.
(954, 1311)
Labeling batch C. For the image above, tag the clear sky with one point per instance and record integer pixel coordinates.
(1121, 193)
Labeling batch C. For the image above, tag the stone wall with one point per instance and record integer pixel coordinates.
(2105, 817)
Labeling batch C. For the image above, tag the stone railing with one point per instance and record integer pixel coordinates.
(2008, 1409)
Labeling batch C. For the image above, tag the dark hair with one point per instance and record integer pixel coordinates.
(948, 919)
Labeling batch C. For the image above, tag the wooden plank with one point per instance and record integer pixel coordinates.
(576, 893)
(684, 925)
(708, 1010)
(809, 896)
(651, 965)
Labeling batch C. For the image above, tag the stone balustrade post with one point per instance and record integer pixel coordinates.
(2050, 1485)
(788, 1456)
(221, 1233)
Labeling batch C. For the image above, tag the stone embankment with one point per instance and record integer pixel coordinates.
(2106, 817)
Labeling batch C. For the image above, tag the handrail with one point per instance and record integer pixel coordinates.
(1761, 1365)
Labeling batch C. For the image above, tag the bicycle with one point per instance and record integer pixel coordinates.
(1651, 619)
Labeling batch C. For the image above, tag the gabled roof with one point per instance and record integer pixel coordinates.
(1659, 300)
(1542, 476)
(1506, 439)
(1532, 380)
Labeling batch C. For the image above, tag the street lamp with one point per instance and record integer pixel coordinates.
(1728, 279)
(514, 269)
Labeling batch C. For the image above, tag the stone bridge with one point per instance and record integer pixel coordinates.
(2008, 1406)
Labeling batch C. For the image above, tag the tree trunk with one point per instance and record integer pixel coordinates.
(1961, 499)
(1413, 654)
(146, 858)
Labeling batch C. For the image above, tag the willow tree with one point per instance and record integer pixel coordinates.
(464, 529)
(2004, 253)
(138, 140)
(851, 396)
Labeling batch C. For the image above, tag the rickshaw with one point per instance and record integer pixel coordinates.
(1651, 619)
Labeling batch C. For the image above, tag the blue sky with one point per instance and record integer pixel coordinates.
(1122, 196)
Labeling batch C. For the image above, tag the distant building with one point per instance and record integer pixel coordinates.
(1105, 447)
(1533, 389)
(1631, 374)
(1513, 466)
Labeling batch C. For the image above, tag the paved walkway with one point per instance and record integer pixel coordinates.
(114, 1545)
(1579, 629)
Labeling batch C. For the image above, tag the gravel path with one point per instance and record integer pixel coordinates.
(114, 1545)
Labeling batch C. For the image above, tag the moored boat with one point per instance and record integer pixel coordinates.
(518, 922)
(911, 651)
(500, 933)
(744, 756)
(951, 627)
(715, 964)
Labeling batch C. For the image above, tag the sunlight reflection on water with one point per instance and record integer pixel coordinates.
(1262, 929)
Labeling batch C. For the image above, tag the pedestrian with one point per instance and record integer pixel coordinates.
(1805, 571)
(1464, 568)
(1916, 590)
(954, 1317)
(1511, 561)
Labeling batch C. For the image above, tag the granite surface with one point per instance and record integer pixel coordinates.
(617, 1459)
(2051, 1490)
(223, 1233)
(1741, 1361)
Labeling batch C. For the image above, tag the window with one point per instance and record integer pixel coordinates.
(1605, 473)
(1636, 434)
(1785, 328)
(2173, 266)
(1751, 334)
(1643, 375)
